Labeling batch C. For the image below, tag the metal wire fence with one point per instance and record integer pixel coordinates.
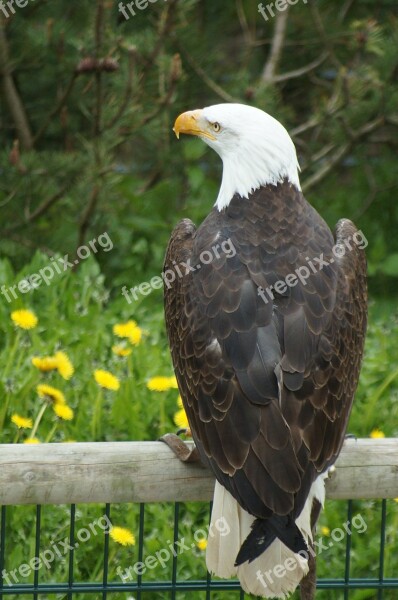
(177, 585)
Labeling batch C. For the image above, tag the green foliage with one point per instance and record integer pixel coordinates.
(103, 153)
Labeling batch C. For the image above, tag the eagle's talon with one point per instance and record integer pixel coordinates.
(351, 436)
(330, 473)
(184, 431)
(182, 451)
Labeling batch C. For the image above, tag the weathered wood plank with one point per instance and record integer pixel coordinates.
(149, 472)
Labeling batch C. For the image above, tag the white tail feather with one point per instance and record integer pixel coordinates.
(274, 574)
(222, 550)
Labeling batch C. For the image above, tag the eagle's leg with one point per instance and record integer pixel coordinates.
(308, 583)
(182, 451)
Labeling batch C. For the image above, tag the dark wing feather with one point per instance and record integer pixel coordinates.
(267, 382)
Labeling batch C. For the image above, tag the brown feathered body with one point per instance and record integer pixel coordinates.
(267, 372)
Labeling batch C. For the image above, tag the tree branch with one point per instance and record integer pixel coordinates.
(277, 44)
(56, 109)
(301, 71)
(355, 136)
(99, 28)
(40, 210)
(11, 95)
(88, 212)
(132, 54)
(206, 79)
(166, 99)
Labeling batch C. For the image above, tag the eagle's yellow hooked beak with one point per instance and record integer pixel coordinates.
(192, 122)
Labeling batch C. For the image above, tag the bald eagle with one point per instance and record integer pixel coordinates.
(266, 319)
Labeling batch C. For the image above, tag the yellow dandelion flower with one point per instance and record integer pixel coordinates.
(47, 391)
(31, 440)
(63, 411)
(22, 422)
(180, 419)
(45, 363)
(123, 330)
(121, 350)
(64, 365)
(59, 361)
(25, 319)
(173, 382)
(325, 530)
(396, 500)
(202, 544)
(159, 384)
(179, 402)
(106, 380)
(377, 434)
(129, 330)
(136, 336)
(122, 536)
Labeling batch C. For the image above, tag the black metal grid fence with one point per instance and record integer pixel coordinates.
(380, 587)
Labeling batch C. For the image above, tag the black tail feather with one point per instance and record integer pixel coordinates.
(287, 531)
(264, 532)
(258, 540)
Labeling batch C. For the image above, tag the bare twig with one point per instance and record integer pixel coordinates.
(128, 90)
(44, 206)
(163, 34)
(322, 33)
(323, 152)
(13, 99)
(243, 23)
(310, 124)
(217, 89)
(87, 214)
(302, 70)
(29, 244)
(345, 9)
(392, 119)
(163, 102)
(99, 27)
(370, 176)
(326, 168)
(40, 210)
(60, 104)
(277, 44)
(368, 128)
(319, 121)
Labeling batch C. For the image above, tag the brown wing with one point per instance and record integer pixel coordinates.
(267, 380)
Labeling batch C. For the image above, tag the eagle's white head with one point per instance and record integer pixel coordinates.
(255, 148)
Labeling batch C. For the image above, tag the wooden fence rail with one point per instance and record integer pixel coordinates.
(149, 472)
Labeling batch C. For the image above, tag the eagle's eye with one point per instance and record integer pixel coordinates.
(216, 127)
